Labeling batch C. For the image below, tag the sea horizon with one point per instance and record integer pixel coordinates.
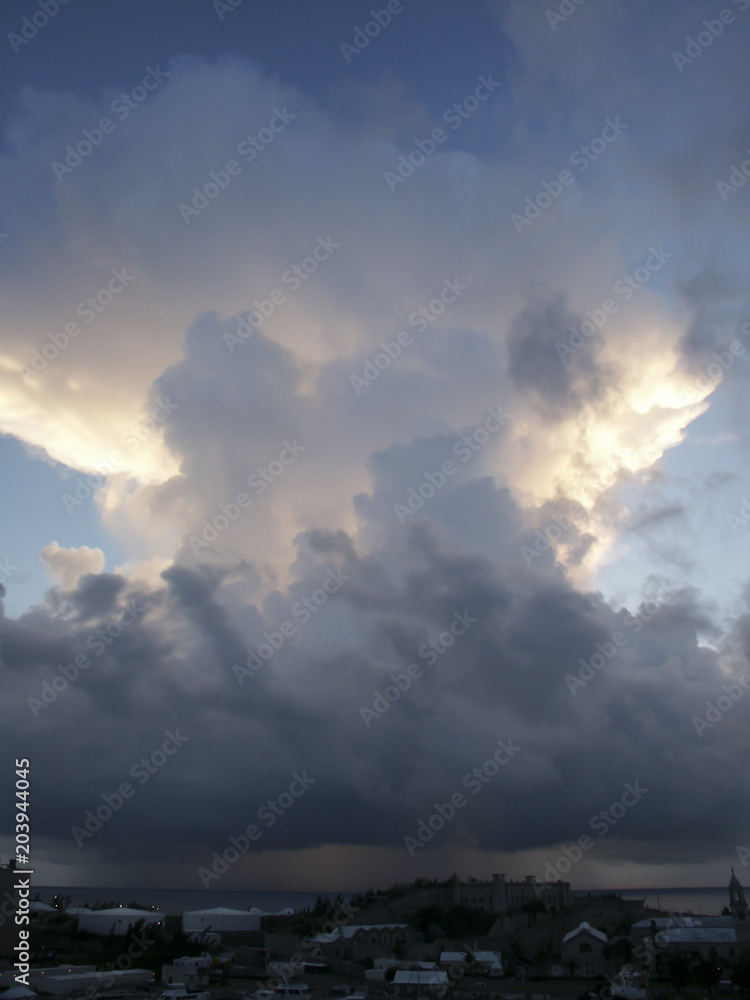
(698, 900)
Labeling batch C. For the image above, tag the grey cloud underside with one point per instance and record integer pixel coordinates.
(505, 678)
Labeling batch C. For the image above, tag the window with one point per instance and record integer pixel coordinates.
(585, 948)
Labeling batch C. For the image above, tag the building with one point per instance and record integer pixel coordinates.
(478, 963)
(501, 895)
(355, 942)
(698, 942)
(715, 938)
(738, 911)
(488, 963)
(416, 982)
(222, 924)
(8, 907)
(38, 976)
(189, 975)
(582, 950)
(382, 966)
(76, 982)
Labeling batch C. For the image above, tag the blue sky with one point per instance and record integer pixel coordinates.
(264, 286)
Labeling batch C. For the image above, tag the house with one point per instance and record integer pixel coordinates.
(416, 982)
(448, 958)
(696, 942)
(190, 975)
(488, 963)
(355, 942)
(582, 950)
(8, 907)
(717, 938)
(381, 966)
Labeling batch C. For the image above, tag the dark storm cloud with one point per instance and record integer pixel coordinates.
(504, 678)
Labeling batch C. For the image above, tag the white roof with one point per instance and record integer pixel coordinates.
(489, 957)
(73, 977)
(705, 935)
(585, 927)
(225, 910)
(123, 911)
(410, 977)
(682, 921)
(452, 956)
(351, 929)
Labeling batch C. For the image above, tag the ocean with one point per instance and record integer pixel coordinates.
(705, 900)
(699, 900)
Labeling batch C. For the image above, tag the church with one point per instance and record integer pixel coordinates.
(722, 938)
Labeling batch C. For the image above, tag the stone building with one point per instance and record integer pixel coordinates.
(355, 942)
(501, 895)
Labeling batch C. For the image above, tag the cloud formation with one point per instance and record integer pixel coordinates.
(299, 539)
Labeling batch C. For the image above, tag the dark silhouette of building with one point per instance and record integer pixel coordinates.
(8, 907)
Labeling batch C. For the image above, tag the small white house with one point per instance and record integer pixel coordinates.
(408, 981)
(583, 950)
(491, 962)
(79, 982)
(188, 975)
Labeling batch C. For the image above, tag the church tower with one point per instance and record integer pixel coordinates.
(738, 909)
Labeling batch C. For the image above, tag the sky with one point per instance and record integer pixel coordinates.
(374, 438)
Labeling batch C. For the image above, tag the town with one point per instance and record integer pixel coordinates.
(500, 937)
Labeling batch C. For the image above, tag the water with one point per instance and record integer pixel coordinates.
(705, 900)
(708, 901)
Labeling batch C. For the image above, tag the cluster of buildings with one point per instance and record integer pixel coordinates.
(501, 896)
(393, 952)
(586, 950)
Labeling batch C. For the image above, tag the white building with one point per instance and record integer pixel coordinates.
(38, 975)
(418, 981)
(75, 982)
(486, 963)
(583, 947)
(490, 962)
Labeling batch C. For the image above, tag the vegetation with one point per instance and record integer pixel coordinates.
(707, 974)
(679, 971)
(741, 971)
(458, 921)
